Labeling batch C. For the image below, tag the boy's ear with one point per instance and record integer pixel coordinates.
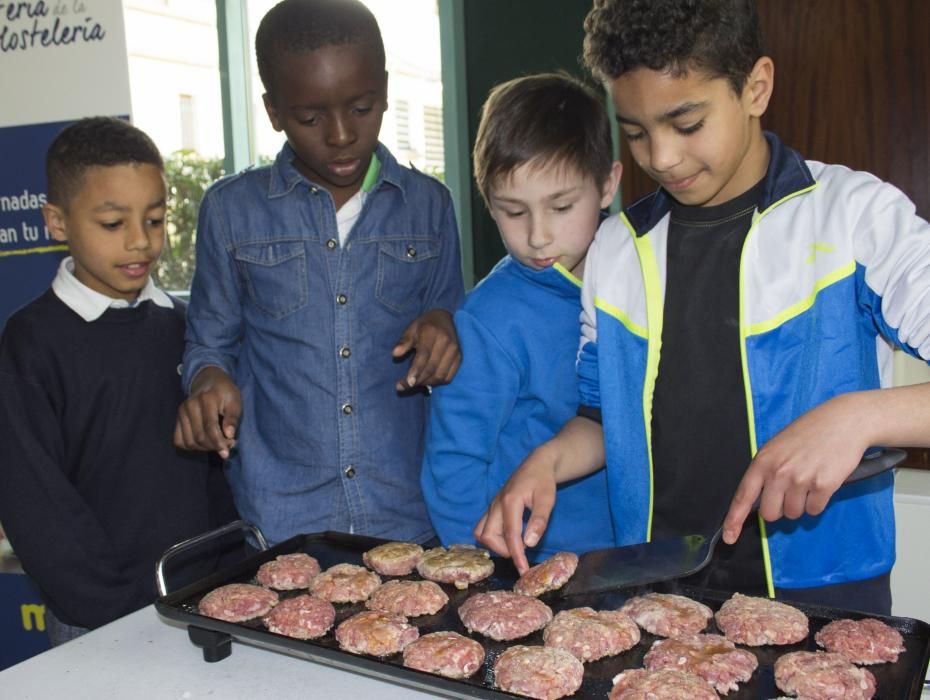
(271, 111)
(759, 86)
(55, 221)
(611, 184)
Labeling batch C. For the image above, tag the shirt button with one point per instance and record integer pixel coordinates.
(347, 409)
(411, 251)
(350, 472)
(345, 352)
(315, 190)
(331, 244)
(342, 298)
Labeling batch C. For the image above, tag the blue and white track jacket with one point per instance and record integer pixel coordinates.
(834, 269)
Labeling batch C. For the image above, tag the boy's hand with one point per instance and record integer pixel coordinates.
(799, 469)
(207, 420)
(501, 528)
(432, 336)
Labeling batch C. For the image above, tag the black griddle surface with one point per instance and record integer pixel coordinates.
(898, 681)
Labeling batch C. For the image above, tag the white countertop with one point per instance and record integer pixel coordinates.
(142, 656)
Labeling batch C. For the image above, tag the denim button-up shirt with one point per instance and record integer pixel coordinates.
(305, 327)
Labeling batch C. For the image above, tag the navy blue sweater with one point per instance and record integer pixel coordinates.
(92, 490)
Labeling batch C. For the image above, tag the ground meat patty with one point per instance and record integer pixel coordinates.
(710, 656)
(237, 602)
(821, 675)
(345, 583)
(393, 558)
(408, 598)
(301, 617)
(867, 641)
(667, 684)
(460, 565)
(548, 575)
(589, 635)
(538, 672)
(447, 654)
(503, 615)
(375, 633)
(288, 571)
(759, 621)
(668, 615)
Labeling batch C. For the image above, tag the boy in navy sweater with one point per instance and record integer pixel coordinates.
(92, 490)
(543, 163)
(736, 326)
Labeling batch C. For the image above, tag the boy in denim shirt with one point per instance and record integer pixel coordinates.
(316, 276)
(544, 164)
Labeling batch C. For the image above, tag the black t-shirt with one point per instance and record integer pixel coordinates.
(700, 433)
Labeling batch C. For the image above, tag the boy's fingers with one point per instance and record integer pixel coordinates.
(406, 342)
(513, 534)
(543, 503)
(740, 507)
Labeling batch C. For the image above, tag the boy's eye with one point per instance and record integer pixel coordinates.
(687, 130)
(155, 223)
(362, 110)
(634, 136)
(111, 225)
(308, 121)
(563, 207)
(514, 214)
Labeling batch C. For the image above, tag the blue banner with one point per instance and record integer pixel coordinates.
(29, 255)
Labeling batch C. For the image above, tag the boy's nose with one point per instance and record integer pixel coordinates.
(137, 238)
(539, 236)
(341, 132)
(663, 154)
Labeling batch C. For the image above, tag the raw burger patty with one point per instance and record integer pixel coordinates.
(288, 571)
(867, 641)
(820, 675)
(408, 598)
(301, 617)
(548, 575)
(668, 615)
(640, 684)
(393, 558)
(237, 602)
(760, 621)
(538, 672)
(710, 656)
(447, 654)
(503, 615)
(460, 565)
(345, 583)
(589, 635)
(376, 633)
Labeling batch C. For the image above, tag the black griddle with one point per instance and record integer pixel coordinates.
(898, 681)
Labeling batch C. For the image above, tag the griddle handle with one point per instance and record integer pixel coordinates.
(198, 540)
(216, 646)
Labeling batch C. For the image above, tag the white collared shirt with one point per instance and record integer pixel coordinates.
(348, 215)
(90, 304)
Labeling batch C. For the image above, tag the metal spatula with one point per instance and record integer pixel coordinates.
(663, 560)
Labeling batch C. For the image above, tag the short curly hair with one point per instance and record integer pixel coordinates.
(545, 118)
(93, 142)
(720, 37)
(294, 26)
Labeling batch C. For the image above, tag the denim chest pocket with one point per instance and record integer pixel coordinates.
(404, 268)
(275, 275)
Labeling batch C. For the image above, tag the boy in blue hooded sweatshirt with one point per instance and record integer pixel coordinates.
(544, 165)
